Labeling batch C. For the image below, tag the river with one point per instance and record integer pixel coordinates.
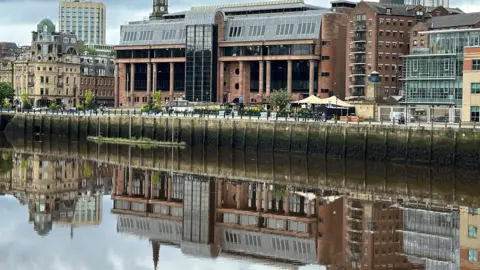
(79, 205)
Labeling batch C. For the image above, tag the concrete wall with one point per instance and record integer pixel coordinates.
(393, 143)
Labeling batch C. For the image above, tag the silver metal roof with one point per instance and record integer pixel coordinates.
(254, 27)
(201, 16)
(303, 25)
(269, 245)
(162, 32)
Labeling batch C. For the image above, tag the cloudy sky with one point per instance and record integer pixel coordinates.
(19, 17)
(92, 248)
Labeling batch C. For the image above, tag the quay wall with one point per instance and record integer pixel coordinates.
(459, 147)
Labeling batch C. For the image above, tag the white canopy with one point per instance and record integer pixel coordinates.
(314, 100)
(333, 100)
(310, 100)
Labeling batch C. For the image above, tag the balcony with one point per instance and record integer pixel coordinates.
(360, 37)
(358, 48)
(59, 84)
(358, 71)
(361, 26)
(357, 91)
(358, 59)
(31, 84)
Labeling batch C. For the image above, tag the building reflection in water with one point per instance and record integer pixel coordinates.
(345, 215)
(206, 216)
(65, 192)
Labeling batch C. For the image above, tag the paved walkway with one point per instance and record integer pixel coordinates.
(107, 113)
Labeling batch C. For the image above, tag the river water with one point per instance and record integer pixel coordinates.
(78, 205)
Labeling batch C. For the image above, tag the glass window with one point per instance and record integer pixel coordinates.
(472, 231)
(475, 88)
(472, 211)
(472, 255)
(476, 65)
(474, 113)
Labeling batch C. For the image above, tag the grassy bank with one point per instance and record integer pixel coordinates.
(143, 142)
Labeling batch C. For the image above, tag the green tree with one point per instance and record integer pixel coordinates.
(6, 91)
(89, 103)
(25, 101)
(157, 98)
(87, 170)
(279, 99)
(113, 53)
(88, 50)
(54, 106)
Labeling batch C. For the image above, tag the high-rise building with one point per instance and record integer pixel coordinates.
(86, 19)
(427, 3)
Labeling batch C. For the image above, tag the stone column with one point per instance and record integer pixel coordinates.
(240, 81)
(169, 188)
(154, 89)
(149, 79)
(309, 208)
(289, 77)
(238, 195)
(152, 174)
(172, 80)
(259, 197)
(319, 75)
(146, 185)
(222, 79)
(130, 180)
(115, 91)
(260, 79)
(265, 196)
(311, 78)
(114, 183)
(219, 193)
(287, 200)
(132, 84)
(268, 75)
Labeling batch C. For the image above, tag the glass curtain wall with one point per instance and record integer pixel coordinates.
(200, 66)
(436, 77)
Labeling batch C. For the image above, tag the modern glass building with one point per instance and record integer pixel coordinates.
(201, 57)
(434, 77)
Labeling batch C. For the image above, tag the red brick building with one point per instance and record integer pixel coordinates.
(246, 52)
(102, 88)
(377, 37)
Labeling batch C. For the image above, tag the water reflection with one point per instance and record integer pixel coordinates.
(276, 210)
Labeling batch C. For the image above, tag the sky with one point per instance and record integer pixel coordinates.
(93, 248)
(20, 17)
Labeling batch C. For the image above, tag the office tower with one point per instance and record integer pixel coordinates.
(86, 19)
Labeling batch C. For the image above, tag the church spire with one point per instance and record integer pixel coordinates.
(156, 253)
(160, 8)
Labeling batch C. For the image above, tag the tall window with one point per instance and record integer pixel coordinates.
(474, 113)
(472, 231)
(472, 255)
(475, 64)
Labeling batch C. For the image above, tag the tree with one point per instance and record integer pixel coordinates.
(6, 91)
(157, 98)
(89, 100)
(113, 53)
(88, 50)
(279, 98)
(25, 101)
